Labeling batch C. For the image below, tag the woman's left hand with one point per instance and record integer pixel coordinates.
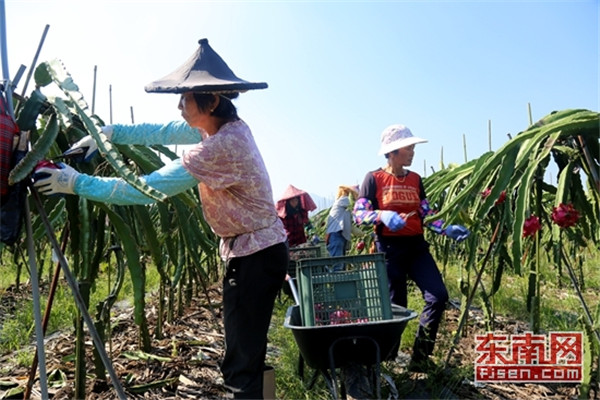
(457, 232)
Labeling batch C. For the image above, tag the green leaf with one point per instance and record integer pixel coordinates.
(36, 154)
(152, 385)
(31, 109)
(42, 77)
(133, 262)
(70, 89)
(144, 157)
(500, 184)
(86, 254)
(150, 234)
(523, 200)
(142, 355)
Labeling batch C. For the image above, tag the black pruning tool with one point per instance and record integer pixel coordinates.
(76, 155)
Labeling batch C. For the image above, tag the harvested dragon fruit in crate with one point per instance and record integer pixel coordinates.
(359, 294)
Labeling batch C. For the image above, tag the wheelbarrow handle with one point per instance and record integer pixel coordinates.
(290, 282)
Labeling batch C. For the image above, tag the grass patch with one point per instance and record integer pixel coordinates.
(25, 356)
(288, 382)
(18, 330)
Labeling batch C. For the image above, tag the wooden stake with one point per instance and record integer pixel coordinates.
(490, 135)
(94, 91)
(465, 146)
(110, 102)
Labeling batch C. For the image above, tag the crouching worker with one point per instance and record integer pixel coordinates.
(236, 194)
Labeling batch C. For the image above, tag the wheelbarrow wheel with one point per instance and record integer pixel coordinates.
(358, 381)
(356, 375)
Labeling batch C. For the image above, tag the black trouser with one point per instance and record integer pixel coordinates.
(250, 286)
(409, 258)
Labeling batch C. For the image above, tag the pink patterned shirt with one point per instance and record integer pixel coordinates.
(235, 190)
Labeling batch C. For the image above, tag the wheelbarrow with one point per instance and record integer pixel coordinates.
(329, 347)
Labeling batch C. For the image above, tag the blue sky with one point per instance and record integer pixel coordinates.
(339, 72)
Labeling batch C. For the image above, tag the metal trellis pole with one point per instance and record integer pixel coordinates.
(77, 296)
(35, 290)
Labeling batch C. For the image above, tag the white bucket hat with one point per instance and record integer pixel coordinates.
(395, 137)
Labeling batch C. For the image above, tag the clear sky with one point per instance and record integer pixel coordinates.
(339, 72)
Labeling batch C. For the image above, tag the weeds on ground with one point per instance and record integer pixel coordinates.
(18, 331)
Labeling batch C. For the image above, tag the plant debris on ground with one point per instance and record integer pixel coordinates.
(184, 364)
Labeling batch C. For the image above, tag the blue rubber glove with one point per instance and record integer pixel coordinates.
(392, 220)
(457, 232)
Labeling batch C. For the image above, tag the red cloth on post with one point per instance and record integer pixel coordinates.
(8, 131)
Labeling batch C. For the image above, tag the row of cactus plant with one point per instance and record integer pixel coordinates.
(170, 235)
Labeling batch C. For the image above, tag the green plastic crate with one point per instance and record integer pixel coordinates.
(356, 295)
(299, 253)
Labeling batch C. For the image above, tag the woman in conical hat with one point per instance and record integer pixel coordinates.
(236, 193)
(306, 202)
(293, 207)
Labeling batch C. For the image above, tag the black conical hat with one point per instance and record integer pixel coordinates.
(205, 71)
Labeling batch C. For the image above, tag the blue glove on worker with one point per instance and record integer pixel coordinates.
(51, 181)
(457, 232)
(392, 220)
(86, 148)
